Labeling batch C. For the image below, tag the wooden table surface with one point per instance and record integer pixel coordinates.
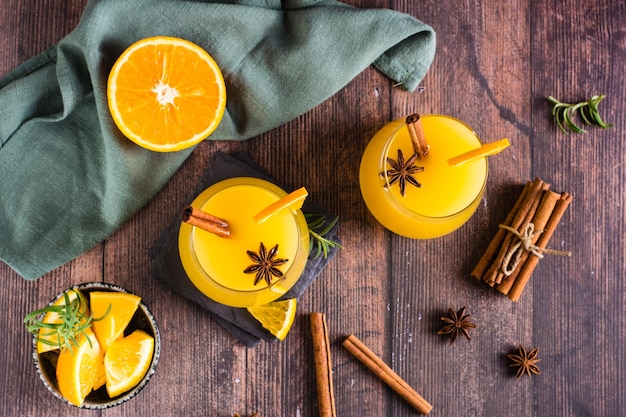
(495, 65)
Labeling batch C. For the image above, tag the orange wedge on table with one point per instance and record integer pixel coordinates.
(277, 316)
(121, 307)
(166, 94)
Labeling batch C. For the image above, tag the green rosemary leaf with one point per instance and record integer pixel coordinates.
(329, 227)
(564, 114)
(73, 321)
(316, 221)
(317, 231)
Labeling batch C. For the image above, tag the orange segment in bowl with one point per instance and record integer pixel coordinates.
(166, 94)
(110, 326)
(78, 368)
(127, 361)
(293, 200)
(48, 339)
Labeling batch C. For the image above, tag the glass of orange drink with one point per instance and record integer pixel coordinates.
(424, 197)
(259, 261)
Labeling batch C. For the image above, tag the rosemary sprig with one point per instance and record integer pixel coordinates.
(317, 231)
(73, 321)
(588, 110)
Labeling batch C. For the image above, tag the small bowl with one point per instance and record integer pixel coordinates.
(99, 399)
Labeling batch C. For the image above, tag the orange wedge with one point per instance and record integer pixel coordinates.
(166, 94)
(122, 308)
(127, 361)
(277, 316)
(79, 368)
(52, 317)
(293, 200)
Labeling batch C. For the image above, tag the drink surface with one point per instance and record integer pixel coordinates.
(216, 264)
(448, 195)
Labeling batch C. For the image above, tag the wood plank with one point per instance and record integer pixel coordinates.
(495, 65)
(481, 75)
(578, 51)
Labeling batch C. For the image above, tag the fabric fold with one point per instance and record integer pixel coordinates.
(68, 177)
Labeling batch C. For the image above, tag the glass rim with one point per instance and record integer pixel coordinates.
(216, 291)
(403, 208)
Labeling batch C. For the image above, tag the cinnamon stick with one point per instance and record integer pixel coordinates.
(494, 246)
(416, 133)
(205, 221)
(386, 374)
(527, 208)
(323, 368)
(539, 221)
(529, 266)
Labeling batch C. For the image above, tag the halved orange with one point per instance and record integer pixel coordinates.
(166, 94)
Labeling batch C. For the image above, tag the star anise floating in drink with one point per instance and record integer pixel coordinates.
(525, 362)
(265, 264)
(457, 323)
(402, 172)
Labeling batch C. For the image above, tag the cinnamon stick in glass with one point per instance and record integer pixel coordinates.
(205, 221)
(323, 367)
(386, 374)
(416, 133)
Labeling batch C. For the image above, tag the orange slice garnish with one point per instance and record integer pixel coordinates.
(293, 200)
(485, 150)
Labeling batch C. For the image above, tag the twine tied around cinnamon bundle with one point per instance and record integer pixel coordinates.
(514, 254)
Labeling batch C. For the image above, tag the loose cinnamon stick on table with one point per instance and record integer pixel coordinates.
(386, 374)
(531, 263)
(206, 221)
(323, 367)
(416, 133)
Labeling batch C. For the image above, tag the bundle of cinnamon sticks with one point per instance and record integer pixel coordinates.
(522, 240)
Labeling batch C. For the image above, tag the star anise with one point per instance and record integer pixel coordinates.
(526, 362)
(265, 264)
(402, 172)
(457, 323)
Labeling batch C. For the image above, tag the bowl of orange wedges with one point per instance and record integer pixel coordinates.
(95, 345)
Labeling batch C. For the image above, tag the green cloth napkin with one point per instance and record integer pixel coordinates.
(68, 177)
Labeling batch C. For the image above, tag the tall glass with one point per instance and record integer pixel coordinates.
(447, 196)
(216, 265)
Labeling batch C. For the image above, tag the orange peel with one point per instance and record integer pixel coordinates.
(293, 200)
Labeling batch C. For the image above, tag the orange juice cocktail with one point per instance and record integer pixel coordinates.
(438, 198)
(229, 270)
